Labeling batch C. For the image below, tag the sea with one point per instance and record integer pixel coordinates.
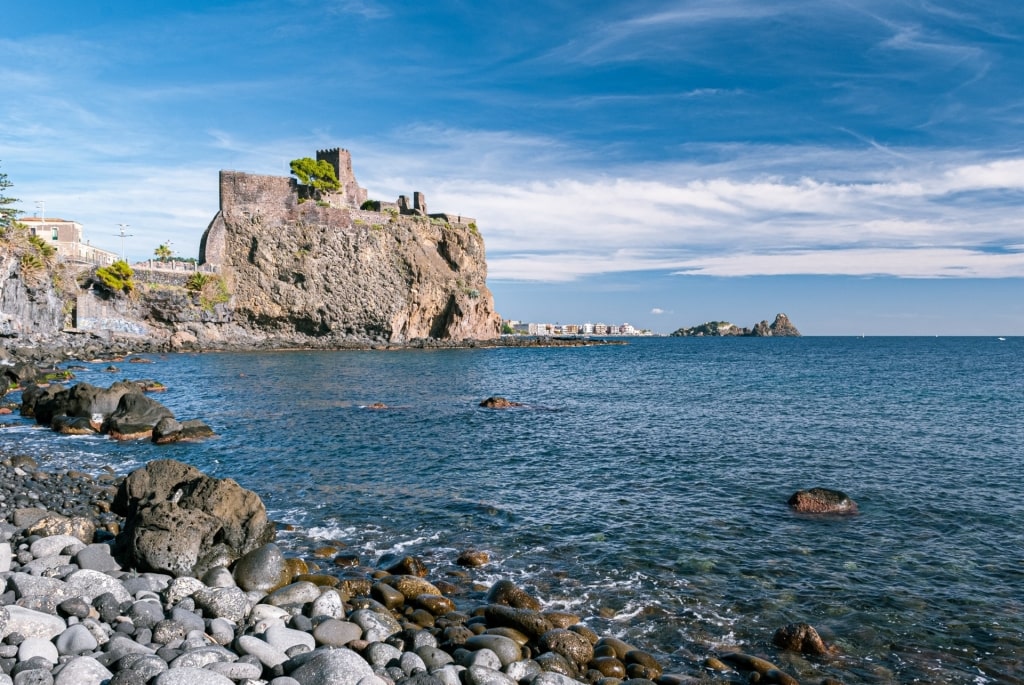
(643, 485)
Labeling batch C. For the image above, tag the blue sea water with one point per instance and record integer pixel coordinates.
(644, 486)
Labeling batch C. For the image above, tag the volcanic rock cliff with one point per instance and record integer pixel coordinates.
(304, 264)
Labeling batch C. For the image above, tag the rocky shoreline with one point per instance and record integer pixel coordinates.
(52, 350)
(71, 613)
(167, 576)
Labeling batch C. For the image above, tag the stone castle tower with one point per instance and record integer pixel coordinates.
(354, 196)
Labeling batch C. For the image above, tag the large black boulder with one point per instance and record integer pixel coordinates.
(180, 521)
(135, 416)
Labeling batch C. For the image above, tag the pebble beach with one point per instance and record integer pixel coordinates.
(70, 614)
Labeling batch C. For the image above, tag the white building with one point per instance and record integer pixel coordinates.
(66, 237)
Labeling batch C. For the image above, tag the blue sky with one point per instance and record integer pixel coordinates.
(856, 164)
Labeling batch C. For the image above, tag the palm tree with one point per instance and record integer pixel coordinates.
(163, 252)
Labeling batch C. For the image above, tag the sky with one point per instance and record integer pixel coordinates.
(856, 164)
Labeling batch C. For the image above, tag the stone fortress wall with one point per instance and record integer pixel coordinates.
(239, 189)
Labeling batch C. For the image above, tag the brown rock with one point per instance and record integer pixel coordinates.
(54, 524)
(652, 669)
(473, 558)
(509, 594)
(822, 501)
(618, 648)
(410, 586)
(499, 403)
(561, 619)
(408, 566)
(572, 646)
(319, 579)
(746, 662)
(609, 667)
(800, 637)
(526, 621)
(435, 604)
(346, 560)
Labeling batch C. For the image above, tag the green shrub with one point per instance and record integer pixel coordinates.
(369, 205)
(197, 281)
(214, 292)
(44, 248)
(117, 277)
(212, 289)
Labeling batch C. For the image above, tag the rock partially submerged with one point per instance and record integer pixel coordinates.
(800, 637)
(822, 501)
(123, 411)
(499, 403)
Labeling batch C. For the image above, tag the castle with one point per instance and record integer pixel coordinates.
(238, 189)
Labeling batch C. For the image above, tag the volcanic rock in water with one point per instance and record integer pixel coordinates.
(135, 416)
(473, 558)
(181, 521)
(822, 501)
(800, 637)
(168, 430)
(499, 403)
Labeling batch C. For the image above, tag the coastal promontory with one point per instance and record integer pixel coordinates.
(285, 263)
(334, 265)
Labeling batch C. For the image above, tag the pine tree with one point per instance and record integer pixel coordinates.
(8, 214)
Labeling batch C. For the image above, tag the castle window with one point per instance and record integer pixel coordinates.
(53, 233)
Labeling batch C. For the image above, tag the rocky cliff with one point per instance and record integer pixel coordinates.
(780, 327)
(28, 306)
(325, 270)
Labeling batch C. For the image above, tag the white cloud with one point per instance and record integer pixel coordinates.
(657, 311)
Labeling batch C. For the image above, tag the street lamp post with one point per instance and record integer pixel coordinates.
(41, 206)
(123, 234)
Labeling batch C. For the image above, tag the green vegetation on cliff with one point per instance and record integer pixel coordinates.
(317, 174)
(7, 213)
(117, 277)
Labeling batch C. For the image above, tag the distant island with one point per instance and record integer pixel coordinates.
(782, 327)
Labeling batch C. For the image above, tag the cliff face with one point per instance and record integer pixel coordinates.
(338, 273)
(28, 306)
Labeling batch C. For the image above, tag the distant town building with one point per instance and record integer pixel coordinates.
(541, 329)
(66, 237)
